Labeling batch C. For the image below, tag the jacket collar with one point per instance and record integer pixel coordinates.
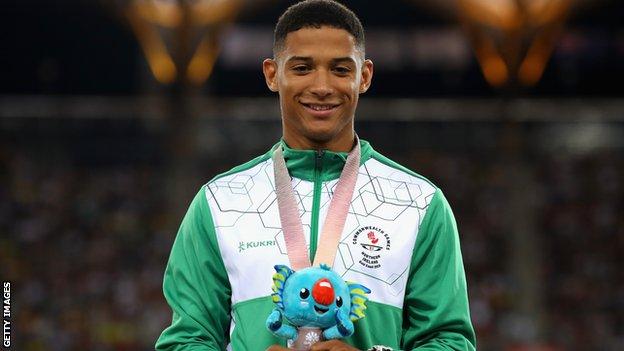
(303, 164)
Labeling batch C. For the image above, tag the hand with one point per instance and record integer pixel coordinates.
(332, 345)
(344, 324)
(276, 348)
(274, 322)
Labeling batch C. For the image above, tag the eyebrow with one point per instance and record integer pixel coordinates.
(345, 59)
(300, 58)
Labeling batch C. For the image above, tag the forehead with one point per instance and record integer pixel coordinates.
(323, 42)
(310, 276)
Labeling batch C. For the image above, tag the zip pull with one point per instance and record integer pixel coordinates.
(318, 161)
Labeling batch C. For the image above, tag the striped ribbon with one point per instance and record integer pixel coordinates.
(336, 214)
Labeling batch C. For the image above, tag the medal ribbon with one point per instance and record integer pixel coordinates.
(336, 214)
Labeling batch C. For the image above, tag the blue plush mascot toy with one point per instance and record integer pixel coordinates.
(315, 297)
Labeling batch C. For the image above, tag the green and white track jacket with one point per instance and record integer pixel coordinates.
(400, 240)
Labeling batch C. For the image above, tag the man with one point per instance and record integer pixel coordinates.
(399, 239)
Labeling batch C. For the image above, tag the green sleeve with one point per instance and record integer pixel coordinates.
(196, 285)
(436, 314)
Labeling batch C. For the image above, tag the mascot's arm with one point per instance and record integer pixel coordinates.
(278, 328)
(342, 329)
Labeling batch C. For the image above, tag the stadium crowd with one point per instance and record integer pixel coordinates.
(85, 248)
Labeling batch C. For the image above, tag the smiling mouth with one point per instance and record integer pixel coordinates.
(320, 309)
(320, 107)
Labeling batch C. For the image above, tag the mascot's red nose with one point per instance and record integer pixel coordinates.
(323, 292)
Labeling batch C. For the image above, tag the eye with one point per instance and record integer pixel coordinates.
(342, 70)
(300, 69)
(339, 301)
(304, 293)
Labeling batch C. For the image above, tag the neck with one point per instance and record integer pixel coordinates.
(339, 144)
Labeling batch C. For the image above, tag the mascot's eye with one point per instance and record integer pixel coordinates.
(304, 293)
(339, 301)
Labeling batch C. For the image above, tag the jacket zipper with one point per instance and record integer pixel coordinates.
(316, 202)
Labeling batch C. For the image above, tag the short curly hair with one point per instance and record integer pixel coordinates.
(317, 13)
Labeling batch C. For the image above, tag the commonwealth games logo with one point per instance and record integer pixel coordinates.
(374, 241)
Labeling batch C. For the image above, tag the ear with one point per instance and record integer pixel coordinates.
(269, 68)
(358, 294)
(367, 76)
(282, 273)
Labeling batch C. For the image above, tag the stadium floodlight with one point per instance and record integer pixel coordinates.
(512, 39)
(180, 38)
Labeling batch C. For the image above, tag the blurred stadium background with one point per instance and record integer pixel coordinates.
(114, 113)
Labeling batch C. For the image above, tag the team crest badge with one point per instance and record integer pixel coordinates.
(373, 241)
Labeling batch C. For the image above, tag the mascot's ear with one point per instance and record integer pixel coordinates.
(279, 280)
(358, 300)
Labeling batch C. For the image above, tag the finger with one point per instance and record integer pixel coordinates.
(322, 346)
(332, 345)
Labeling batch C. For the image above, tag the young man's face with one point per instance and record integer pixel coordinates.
(319, 75)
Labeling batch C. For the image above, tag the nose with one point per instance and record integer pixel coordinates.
(323, 292)
(321, 86)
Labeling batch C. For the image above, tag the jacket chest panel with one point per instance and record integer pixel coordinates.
(375, 249)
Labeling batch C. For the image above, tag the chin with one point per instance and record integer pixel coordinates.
(322, 141)
(321, 134)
